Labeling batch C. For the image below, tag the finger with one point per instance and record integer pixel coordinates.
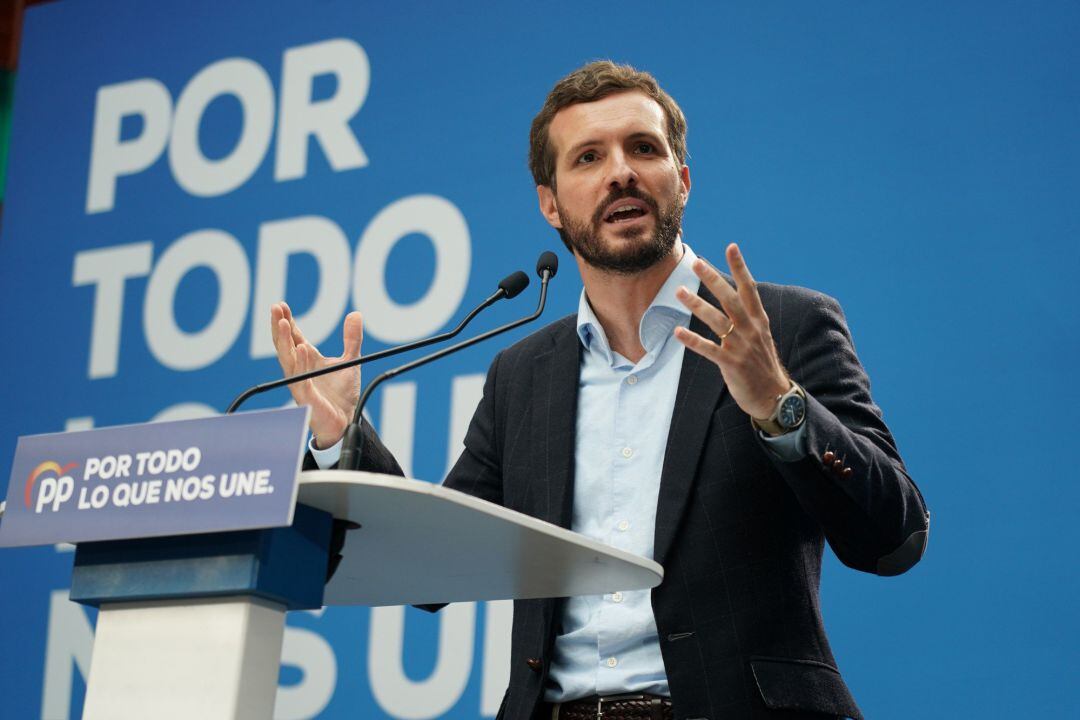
(353, 335)
(706, 312)
(283, 344)
(719, 286)
(301, 360)
(297, 336)
(304, 393)
(744, 281)
(305, 362)
(702, 346)
(308, 358)
(277, 314)
(283, 311)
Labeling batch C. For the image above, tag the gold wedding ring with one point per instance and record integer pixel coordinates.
(728, 331)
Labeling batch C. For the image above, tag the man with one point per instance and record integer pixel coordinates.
(729, 464)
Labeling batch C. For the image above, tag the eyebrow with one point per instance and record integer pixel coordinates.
(580, 146)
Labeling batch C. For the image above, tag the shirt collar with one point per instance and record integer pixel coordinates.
(659, 319)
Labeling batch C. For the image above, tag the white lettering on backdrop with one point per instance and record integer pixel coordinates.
(299, 118)
(175, 132)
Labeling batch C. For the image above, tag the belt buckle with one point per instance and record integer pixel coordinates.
(600, 700)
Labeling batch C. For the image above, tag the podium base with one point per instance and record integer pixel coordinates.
(212, 659)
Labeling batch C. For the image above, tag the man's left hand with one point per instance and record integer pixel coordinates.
(746, 354)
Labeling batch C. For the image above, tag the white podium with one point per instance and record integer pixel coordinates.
(208, 646)
(424, 544)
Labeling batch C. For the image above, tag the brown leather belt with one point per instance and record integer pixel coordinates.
(638, 706)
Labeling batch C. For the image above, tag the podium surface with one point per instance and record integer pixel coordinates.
(421, 543)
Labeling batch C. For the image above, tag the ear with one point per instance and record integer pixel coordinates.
(684, 176)
(548, 208)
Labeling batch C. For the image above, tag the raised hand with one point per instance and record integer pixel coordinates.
(746, 353)
(331, 397)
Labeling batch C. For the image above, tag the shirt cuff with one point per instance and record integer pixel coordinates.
(789, 447)
(327, 457)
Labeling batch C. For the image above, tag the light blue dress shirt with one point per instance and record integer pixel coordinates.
(608, 644)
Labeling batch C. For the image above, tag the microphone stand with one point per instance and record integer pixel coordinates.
(509, 287)
(350, 455)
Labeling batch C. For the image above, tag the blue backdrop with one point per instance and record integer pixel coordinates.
(173, 162)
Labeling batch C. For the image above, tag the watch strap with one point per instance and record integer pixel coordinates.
(771, 424)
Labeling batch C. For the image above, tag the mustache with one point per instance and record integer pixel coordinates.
(620, 194)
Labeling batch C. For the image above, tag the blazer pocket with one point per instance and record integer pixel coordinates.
(809, 685)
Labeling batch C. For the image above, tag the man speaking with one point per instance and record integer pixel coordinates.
(719, 426)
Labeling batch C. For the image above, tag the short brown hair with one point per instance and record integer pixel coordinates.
(591, 82)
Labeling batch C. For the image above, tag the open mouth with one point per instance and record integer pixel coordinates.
(626, 210)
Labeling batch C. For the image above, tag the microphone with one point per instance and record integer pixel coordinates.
(513, 284)
(547, 262)
(510, 286)
(546, 267)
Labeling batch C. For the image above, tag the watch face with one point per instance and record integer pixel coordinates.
(792, 411)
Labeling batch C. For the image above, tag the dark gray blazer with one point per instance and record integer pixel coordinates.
(740, 534)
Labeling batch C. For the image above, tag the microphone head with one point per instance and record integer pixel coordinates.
(514, 283)
(548, 261)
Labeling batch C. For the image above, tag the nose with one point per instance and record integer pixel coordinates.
(621, 173)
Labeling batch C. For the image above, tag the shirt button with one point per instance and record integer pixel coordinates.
(617, 597)
(623, 525)
(612, 662)
(627, 452)
(632, 380)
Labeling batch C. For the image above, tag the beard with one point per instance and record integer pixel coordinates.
(642, 253)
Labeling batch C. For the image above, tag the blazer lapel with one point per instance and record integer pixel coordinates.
(700, 388)
(555, 383)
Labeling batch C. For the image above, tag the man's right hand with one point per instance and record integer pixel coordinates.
(331, 397)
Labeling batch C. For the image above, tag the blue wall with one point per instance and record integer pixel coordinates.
(919, 161)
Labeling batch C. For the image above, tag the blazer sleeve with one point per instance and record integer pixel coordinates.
(870, 510)
(374, 456)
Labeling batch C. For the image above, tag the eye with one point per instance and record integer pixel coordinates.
(644, 148)
(587, 157)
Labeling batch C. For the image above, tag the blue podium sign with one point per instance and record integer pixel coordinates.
(232, 472)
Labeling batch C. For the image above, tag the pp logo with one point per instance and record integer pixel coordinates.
(55, 488)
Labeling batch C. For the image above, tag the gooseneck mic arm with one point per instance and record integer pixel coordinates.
(546, 267)
(510, 286)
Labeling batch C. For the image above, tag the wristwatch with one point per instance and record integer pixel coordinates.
(789, 413)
